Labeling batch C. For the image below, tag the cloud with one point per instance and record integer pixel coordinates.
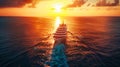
(76, 3)
(79, 3)
(17, 3)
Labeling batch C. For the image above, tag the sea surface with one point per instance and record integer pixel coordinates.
(91, 41)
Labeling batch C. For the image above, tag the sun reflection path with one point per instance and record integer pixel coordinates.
(57, 22)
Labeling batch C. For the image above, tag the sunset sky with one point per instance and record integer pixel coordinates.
(56, 7)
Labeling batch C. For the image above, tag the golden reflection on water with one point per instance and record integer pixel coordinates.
(57, 22)
(80, 25)
(92, 28)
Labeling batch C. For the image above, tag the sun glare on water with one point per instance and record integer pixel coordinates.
(57, 21)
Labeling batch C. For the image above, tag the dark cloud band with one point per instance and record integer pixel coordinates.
(14, 3)
(76, 3)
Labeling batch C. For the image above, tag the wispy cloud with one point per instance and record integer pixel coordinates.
(79, 3)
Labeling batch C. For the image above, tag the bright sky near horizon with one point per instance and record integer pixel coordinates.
(54, 8)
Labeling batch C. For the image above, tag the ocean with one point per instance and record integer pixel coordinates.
(91, 41)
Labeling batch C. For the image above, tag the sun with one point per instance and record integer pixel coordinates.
(58, 7)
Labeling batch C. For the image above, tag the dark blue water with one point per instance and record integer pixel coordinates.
(91, 42)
